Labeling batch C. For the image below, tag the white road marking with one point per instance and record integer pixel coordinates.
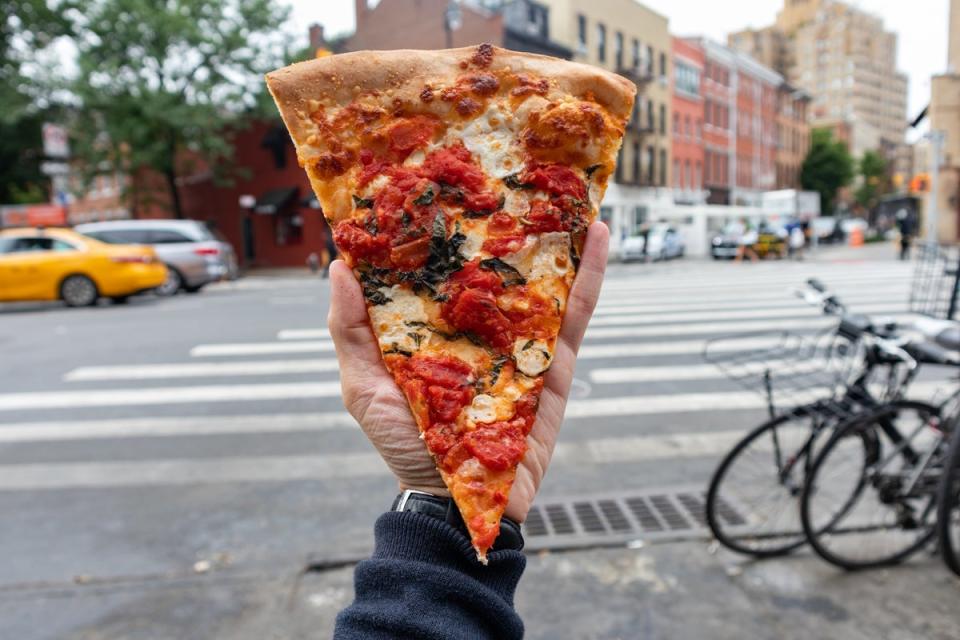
(669, 348)
(260, 348)
(174, 426)
(738, 314)
(201, 370)
(617, 305)
(166, 395)
(303, 334)
(739, 283)
(718, 328)
(294, 300)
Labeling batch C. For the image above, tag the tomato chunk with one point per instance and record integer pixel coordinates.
(501, 223)
(454, 166)
(446, 371)
(475, 310)
(471, 276)
(556, 179)
(359, 244)
(411, 133)
(502, 246)
(544, 217)
(498, 447)
(411, 255)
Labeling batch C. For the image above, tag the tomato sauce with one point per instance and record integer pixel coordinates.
(555, 179)
(498, 446)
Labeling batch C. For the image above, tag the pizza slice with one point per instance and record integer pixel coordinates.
(459, 185)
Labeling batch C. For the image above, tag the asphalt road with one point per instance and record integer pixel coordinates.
(168, 466)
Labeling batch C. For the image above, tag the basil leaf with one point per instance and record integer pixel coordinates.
(362, 203)
(512, 181)
(509, 274)
(425, 198)
(592, 169)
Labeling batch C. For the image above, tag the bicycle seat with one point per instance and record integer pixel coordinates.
(854, 325)
(949, 339)
(932, 353)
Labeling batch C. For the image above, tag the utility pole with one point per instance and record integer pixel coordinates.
(936, 148)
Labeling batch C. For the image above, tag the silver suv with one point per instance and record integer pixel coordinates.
(194, 255)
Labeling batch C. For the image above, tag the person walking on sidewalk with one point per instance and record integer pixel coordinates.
(907, 228)
(423, 580)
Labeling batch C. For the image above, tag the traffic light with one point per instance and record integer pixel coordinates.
(920, 183)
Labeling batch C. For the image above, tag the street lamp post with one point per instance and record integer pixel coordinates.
(452, 21)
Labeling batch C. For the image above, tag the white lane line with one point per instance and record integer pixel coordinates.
(669, 348)
(718, 328)
(694, 285)
(294, 300)
(619, 375)
(720, 293)
(177, 472)
(174, 426)
(260, 348)
(617, 306)
(303, 334)
(740, 314)
(201, 370)
(166, 395)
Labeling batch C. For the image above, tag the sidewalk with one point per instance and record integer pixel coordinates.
(671, 591)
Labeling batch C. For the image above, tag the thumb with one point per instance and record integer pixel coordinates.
(357, 347)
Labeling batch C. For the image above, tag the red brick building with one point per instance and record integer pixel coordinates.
(756, 127)
(719, 68)
(688, 112)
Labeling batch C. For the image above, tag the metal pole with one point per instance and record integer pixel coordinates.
(936, 145)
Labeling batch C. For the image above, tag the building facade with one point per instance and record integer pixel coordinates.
(845, 59)
(944, 114)
(792, 135)
(687, 119)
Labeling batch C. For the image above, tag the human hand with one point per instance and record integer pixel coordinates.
(376, 402)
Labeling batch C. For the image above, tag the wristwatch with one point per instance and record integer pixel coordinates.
(510, 537)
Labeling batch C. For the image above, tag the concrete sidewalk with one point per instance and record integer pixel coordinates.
(674, 591)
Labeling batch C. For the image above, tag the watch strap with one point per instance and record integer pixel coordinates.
(445, 509)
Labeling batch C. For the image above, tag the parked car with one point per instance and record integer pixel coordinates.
(194, 255)
(766, 240)
(663, 242)
(59, 264)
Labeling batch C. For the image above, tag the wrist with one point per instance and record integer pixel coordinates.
(444, 509)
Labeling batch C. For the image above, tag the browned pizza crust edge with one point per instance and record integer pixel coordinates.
(403, 73)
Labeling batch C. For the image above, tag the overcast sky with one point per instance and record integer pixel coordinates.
(921, 25)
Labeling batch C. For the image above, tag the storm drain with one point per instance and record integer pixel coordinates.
(671, 513)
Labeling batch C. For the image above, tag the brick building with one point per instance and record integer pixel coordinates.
(719, 67)
(793, 135)
(687, 109)
(755, 117)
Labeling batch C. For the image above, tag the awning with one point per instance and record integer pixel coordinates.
(275, 200)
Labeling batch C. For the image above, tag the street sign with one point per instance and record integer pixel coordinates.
(56, 143)
(55, 168)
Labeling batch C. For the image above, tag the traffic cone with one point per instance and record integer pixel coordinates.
(856, 237)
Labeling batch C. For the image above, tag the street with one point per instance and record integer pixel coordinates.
(169, 466)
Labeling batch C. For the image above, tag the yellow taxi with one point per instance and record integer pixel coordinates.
(60, 264)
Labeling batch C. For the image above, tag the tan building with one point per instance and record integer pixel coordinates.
(944, 114)
(626, 37)
(845, 59)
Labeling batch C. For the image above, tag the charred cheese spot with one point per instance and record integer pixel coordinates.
(533, 357)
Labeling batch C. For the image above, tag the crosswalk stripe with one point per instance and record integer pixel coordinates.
(735, 282)
(669, 348)
(77, 475)
(737, 314)
(166, 395)
(618, 306)
(201, 370)
(174, 427)
(619, 375)
(259, 348)
(708, 328)
(303, 334)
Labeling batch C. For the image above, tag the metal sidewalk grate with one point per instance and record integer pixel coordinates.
(664, 513)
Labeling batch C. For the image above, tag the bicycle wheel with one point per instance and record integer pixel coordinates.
(751, 502)
(869, 501)
(948, 512)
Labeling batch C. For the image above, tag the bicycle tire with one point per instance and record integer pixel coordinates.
(948, 504)
(863, 423)
(734, 536)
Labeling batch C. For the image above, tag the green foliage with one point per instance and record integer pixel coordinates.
(827, 167)
(161, 83)
(873, 170)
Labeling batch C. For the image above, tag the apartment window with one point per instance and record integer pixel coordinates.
(697, 178)
(636, 54)
(651, 165)
(618, 48)
(688, 127)
(582, 33)
(663, 66)
(601, 43)
(636, 162)
(677, 178)
(618, 172)
(708, 111)
(687, 174)
(663, 168)
(699, 130)
(663, 119)
(649, 61)
(651, 125)
(707, 155)
(676, 124)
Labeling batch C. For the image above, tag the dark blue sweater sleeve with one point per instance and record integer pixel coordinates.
(424, 581)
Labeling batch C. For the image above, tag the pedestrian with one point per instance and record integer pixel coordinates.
(907, 228)
(329, 245)
(746, 242)
(423, 579)
(796, 240)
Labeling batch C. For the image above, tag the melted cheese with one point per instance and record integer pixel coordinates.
(491, 140)
(552, 257)
(476, 233)
(486, 409)
(389, 320)
(532, 356)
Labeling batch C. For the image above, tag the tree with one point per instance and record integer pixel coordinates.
(161, 83)
(26, 27)
(827, 167)
(873, 170)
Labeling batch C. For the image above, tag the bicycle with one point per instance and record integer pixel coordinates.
(870, 497)
(948, 503)
(824, 381)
